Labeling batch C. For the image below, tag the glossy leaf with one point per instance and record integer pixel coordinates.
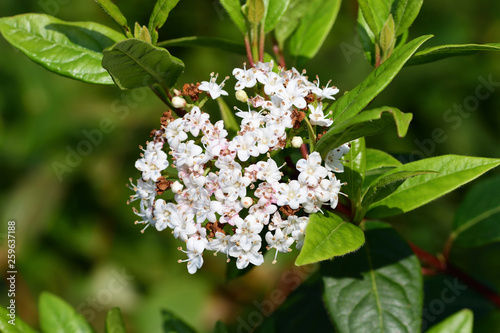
(19, 327)
(382, 187)
(171, 323)
(453, 171)
(114, 321)
(328, 236)
(377, 288)
(313, 29)
(134, 63)
(366, 123)
(358, 98)
(202, 41)
(445, 51)
(290, 20)
(114, 12)
(72, 49)
(58, 316)
(375, 13)
(476, 222)
(460, 322)
(159, 16)
(233, 8)
(354, 170)
(275, 11)
(376, 159)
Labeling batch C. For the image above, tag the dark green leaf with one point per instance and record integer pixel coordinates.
(114, 12)
(290, 21)
(313, 29)
(354, 170)
(366, 123)
(220, 327)
(477, 219)
(405, 12)
(58, 316)
(172, 323)
(357, 99)
(375, 13)
(296, 313)
(159, 17)
(134, 63)
(233, 8)
(328, 236)
(460, 322)
(114, 321)
(200, 41)
(445, 51)
(367, 38)
(72, 49)
(275, 11)
(375, 289)
(453, 171)
(19, 326)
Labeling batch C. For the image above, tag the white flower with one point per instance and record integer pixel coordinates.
(333, 158)
(317, 117)
(244, 257)
(292, 194)
(152, 164)
(297, 142)
(221, 243)
(311, 171)
(174, 132)
(195, 247)
(326, 92)
(214, 89)
(279, 241)
(244, 146)
(246, 77)
(293, 94)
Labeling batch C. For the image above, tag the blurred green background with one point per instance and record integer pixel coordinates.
(75, 233)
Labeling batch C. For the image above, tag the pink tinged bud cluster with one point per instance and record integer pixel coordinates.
(228, 190)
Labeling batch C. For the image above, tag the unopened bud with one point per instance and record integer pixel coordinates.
(247, 202)
(178, 102)
(297, 142)
(241, 96)
(176, 187)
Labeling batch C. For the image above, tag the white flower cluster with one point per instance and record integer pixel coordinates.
(229, 192)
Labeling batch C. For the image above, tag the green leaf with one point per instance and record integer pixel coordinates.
(453, 171)
(328, 236)
(357, 99)
(375, 13)
(171, 323)
(354, 170)
(134, 63)
(58, 316)
(376, 159)
(159, 17)
(375, 289)
(476, 221)
(201, 41)
(233, 8)
(460, 322)
(230, 122)
(405, 12)
(114, 12)
(387, 38)
(366, 123)
(114, 321)
(382, 187)
(313, 29)
(445, 51)
(255, 10)
(19, 327)
(220, 327)
(290, 20)
(72, 49)
(275, 11)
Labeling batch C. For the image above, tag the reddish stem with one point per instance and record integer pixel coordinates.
(249, 52)
(304, 151)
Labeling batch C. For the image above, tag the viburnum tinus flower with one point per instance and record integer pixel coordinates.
(227, 193)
